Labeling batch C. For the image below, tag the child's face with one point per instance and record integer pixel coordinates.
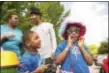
(35, 41)
(74, 32)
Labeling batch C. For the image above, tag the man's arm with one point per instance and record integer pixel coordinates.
(5, 36)
(53, 38)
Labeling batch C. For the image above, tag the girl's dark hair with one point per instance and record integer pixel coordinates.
(27, 36)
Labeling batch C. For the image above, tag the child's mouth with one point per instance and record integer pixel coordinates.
(73, 37)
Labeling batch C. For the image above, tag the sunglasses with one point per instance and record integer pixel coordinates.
(73, 29)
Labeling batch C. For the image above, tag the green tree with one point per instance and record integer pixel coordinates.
(52, 12)
(1, 3)
(61, 19)
(103, 48)
(93, 48)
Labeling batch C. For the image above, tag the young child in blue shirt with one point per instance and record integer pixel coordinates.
(71, 53)
(30, 61)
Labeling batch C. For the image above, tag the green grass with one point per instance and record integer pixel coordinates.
(9, 70)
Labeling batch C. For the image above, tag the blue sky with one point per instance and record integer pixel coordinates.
(94, 15)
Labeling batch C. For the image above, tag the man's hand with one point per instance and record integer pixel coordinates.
(9, 35)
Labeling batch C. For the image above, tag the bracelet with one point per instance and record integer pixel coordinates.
(67, 48)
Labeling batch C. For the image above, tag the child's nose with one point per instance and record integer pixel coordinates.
(73, 32)
(39, 40)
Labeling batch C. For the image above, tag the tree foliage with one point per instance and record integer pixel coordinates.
(52, 11)
(93, 48)
(103, 48)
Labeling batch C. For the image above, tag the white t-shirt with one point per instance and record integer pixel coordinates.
(48, 38)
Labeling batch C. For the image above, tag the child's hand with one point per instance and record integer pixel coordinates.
(41, 69)
(70, 41)
(81, 42)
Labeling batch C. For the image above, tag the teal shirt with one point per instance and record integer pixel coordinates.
(12, 44)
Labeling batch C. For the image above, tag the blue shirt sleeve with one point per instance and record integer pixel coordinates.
(28, 63)
(58, 51)
(60, 48)
(25, 65)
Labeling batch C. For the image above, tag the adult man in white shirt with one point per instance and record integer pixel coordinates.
(46, 33)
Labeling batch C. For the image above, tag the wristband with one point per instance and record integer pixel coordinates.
(67, 48)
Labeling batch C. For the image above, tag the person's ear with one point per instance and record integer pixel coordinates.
(27, 43)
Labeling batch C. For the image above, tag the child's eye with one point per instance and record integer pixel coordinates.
(36, 37)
